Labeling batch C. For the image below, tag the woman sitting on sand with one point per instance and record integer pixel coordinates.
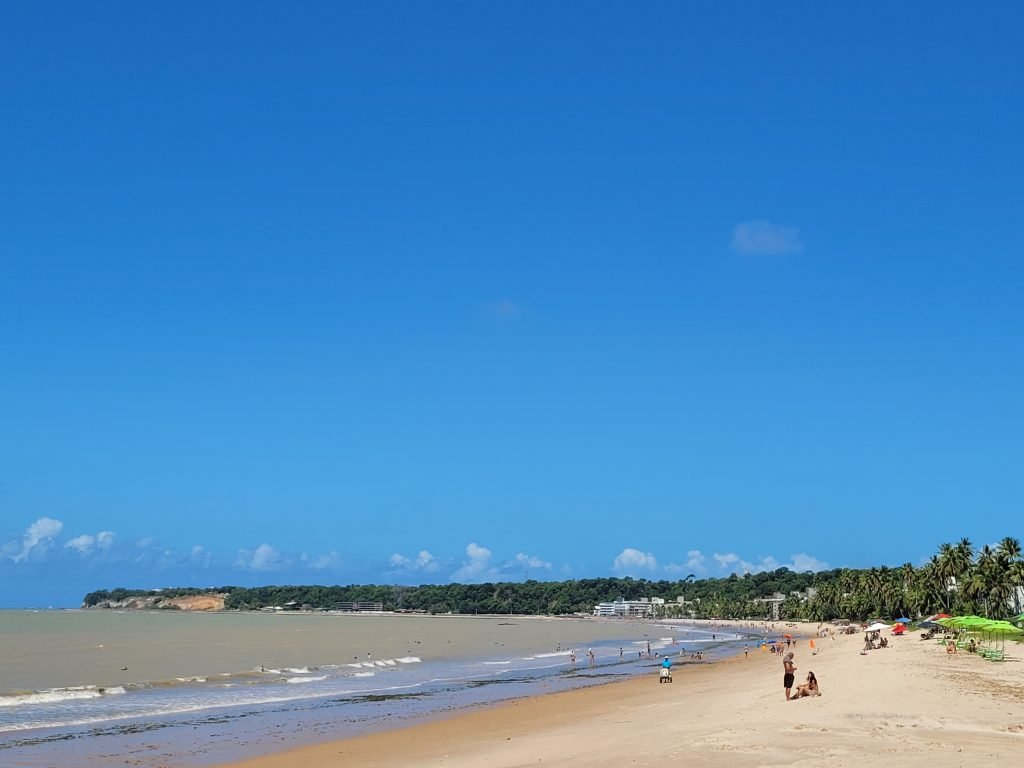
(810, 688)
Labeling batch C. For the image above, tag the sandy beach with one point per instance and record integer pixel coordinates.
(909, 703)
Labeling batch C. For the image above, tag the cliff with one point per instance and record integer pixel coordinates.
(200, 602)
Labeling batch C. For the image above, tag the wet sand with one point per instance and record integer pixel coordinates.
(909, 703)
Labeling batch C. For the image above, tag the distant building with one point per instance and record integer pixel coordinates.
(644, 607)
(772, 603)
(360, 607)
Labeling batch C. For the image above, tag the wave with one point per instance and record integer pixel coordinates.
(58, 695)
(305, 679)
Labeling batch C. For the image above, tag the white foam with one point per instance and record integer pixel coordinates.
(497, 662)
(364, 674)
(550, 655)
(368, 664)
(305, 679)
(380, 664)
(409, 660)
(51, 696)
(390, 662)
(297, 670)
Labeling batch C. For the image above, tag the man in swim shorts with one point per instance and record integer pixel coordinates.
(790, 668)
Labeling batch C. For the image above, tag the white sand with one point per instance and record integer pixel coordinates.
(907, 705)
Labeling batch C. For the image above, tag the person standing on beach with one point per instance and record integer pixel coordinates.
(787, 678)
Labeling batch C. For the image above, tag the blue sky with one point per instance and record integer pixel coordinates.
(417, 292)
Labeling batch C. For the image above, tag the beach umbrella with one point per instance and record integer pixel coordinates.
(789, 636)
(903, 620)
(941, 616)
(876, 627)
(1001, 629)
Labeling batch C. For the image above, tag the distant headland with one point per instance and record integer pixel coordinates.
(987, 582)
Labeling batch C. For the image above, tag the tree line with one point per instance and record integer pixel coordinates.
(957, 579)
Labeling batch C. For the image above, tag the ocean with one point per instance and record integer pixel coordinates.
(177, 688)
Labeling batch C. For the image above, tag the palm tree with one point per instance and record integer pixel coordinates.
(947, 570)
(1009, 548)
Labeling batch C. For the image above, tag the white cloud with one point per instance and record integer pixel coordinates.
(695, 563)
(82, 544)
(323, 562)
(724, 561)
(764, 237)
(263, 558)
(529, 561)
(804, 562)
(38, 537)
(631, 560)
(733, 563)
(477, 566)
(86, 543)
(424, 562)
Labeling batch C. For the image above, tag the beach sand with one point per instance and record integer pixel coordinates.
(909, 704)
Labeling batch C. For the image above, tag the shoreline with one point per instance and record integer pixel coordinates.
(199, 721)
(909, 700)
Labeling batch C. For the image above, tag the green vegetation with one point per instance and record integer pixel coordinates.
(956, 580)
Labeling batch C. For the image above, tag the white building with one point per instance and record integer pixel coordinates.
(628, 608)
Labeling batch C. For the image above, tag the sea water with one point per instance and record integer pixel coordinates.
(86, 687)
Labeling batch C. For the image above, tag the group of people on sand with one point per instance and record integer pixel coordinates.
(808, 688)
(873, 641)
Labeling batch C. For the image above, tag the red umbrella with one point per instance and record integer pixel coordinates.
(789, 636)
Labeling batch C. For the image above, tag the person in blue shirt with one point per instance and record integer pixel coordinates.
(667, 663)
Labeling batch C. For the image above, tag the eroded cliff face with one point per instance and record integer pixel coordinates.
(209, 602)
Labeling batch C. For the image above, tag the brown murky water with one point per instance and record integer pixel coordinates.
(51, 649)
